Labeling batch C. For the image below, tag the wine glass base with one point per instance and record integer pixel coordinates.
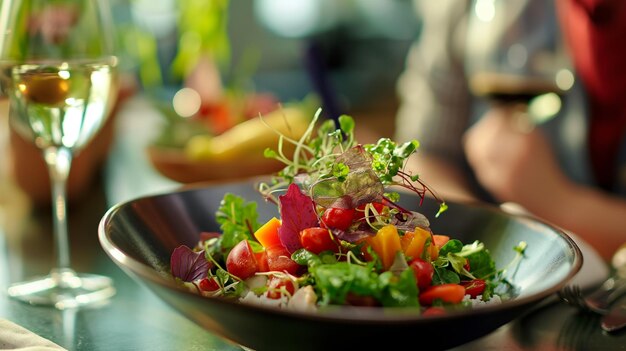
(64, 288)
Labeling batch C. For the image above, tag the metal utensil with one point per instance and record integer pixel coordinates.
(615, 319)
(572, 295)
(602, 297)
(612, 288)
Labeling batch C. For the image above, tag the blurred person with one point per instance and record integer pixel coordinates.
(570, 170)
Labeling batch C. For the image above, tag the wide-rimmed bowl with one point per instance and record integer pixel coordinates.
(140, 235)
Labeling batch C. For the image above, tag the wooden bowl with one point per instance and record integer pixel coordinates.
(175, 165)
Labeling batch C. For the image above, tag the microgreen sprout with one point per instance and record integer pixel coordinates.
(322, 156)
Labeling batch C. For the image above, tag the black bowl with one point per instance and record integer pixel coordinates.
(140, 235)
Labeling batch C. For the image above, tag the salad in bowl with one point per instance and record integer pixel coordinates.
(341, 237)
(341, 248)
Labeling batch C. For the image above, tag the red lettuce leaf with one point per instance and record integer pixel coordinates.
(410, 220)
(188, 265)
(353, 235)
(297, 212)
(361, 185)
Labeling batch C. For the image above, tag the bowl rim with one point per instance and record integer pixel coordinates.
(364, 315)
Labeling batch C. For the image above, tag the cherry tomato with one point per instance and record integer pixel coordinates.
(261, 260)
(209, 284)
(318, 239)
(279, 259)
(474, 287)
(467, 265)
(353, 299)
(447, 293)
(423, 272)
(440, 240)
(277, 286)
(434, 311)
(338, 218)
(241, 261)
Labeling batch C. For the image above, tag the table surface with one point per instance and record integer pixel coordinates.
(135, 318)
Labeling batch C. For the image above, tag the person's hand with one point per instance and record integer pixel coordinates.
(513, 162)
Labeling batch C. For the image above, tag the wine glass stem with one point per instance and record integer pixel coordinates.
(59, 160)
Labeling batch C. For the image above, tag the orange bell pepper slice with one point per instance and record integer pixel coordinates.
(267, 234)
(415, 247)
(386, 243)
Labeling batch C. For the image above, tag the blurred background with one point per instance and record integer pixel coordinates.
(348, 52)
(236, 57)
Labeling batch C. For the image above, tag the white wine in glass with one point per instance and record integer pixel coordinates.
(58, 68)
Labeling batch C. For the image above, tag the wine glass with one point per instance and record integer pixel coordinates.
(58, 69)
(515, 56)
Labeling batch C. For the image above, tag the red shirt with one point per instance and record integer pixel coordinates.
(595, 31)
